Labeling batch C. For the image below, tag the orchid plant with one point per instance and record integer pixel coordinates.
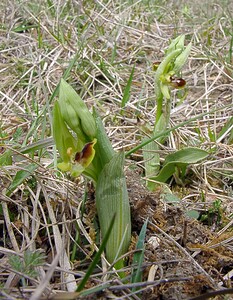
(167, 78)
(85, 149)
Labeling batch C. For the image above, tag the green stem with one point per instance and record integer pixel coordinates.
(159, 109)
(167, 111)
(174, 128)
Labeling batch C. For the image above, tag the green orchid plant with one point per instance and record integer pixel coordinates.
(84, 148)
(167, 78)
(70, 113)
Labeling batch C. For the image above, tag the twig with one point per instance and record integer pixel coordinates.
(213, 294)
(186, 253)
(147, 283)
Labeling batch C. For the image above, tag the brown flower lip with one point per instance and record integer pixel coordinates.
(85, 153)
(177, 82)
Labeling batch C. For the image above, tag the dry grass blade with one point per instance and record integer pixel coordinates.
(45, 282)
(9, 227)
(64, 261)
(186, 253)
(95, 45)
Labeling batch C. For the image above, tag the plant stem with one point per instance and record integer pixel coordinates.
(165, 132)
(159, 109)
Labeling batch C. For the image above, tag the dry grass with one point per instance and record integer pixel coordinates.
(47, 210)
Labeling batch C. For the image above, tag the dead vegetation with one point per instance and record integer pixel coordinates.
(50, 212)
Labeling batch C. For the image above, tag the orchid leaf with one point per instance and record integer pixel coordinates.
(180, 159)
(112, 199)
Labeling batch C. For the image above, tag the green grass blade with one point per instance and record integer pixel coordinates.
(226, 128)
(37, 145)
(20, 177)
(94, 290)
(126, 94)
(166, 132)
(97, 256)
(230, 55)
(6, 158)
(65, 75)
(139, 256)
(25, 26)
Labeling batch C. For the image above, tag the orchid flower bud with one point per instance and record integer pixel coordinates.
(72, 161)
(182, 58)
(76, 113)
(64, 140)
(177, 43)
(176, 57)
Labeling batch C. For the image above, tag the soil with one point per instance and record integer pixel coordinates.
(187, 255)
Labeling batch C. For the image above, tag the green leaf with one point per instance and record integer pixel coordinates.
(112, 199)
(75, 112)
(171, 198)
(126, 94)
(150, 152)
(97, 255)
(151, 162)
(104, 150)
(181, 59)
(189, 155)
(27, 265)
(33, 258)
(139, 256)
(160, 127)
(180, 159)
(177, 43)
(211, 134)
(21, 176)
(165, 90)
(194, 214)
(16, 263)
(6, 158)
(62, 136)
